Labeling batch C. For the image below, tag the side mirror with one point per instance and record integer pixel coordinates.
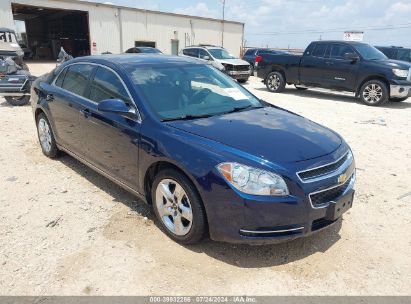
(117, 106)
(351, 57)
(206, 57)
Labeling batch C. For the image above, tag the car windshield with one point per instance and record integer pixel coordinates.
(190, 91)
(369, 52)
(220, 54)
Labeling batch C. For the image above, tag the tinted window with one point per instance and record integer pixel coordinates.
(389, 52)
(106, 85)
(191, 52)
(338, 51)
(249, 52)
(404, 55)
(203, 53)
(76, 78)
(60, 78)
(319, 50)
(132, 50)
(369, 52)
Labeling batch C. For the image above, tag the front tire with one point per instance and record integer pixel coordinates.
(374, 93)
(18, 101)
(46, 136)
(275, 82)
(178, 207)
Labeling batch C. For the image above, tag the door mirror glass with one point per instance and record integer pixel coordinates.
(206, 57)
(351, 57)
(117, 106)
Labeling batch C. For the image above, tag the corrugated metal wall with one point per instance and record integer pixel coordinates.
(136, 25)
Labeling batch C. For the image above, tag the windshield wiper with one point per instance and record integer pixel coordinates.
(239, 109)
(187, 117)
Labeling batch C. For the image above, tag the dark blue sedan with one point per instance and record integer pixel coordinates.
(209, 156)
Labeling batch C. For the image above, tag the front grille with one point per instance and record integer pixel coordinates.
(324, 170)
(319, 199)
(241, 67)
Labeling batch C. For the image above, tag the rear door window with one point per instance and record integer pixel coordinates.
(76, 78)
(193, 52)
(320, 49)
(107, 85)
(338, 51)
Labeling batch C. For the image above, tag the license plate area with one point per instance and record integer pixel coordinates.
(336, 209)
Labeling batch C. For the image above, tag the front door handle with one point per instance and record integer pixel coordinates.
(50, 97)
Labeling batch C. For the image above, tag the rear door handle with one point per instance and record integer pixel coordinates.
(85, 112)
(50, 97)
(329, 63)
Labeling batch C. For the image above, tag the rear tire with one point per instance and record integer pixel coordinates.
(178, 207)
(374, 93)
(18, 101)
(46, 137)
(275, 82)
(242, 80)
(398, 99)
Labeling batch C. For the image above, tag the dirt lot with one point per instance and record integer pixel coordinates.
(67, 230)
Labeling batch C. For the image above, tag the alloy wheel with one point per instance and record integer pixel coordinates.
(274, 82)
(174, 207)
(44, 134)
(372, 93)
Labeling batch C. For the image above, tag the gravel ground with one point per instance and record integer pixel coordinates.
(64, 229)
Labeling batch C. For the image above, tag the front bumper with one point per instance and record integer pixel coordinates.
(400, 91)
(239, 74)
(313, 206)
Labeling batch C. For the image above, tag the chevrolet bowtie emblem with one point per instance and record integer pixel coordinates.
(342, 178)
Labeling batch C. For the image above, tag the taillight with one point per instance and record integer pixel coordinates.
(258, 58)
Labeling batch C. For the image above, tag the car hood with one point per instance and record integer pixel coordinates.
(272, 134)
(393, 64)
(235, 61)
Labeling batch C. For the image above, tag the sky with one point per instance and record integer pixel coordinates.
(295, 23)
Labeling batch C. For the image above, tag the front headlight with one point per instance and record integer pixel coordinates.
(252, 180)
(400, 73)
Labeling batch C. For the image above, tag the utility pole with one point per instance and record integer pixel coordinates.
(222, 32)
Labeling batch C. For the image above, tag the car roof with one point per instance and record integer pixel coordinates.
(142, 59)
(340, 41)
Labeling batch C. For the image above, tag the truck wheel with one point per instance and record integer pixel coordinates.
(398, 99)
(18, 101)
(275, 82)
(374, 93)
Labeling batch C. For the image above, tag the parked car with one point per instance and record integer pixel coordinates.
(253, 56)
(340, 65)
(396, 52)
(15, 78)
(143, 49)
(220, 59)
(209, 156)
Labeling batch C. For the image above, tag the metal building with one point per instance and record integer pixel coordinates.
(84, 27)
